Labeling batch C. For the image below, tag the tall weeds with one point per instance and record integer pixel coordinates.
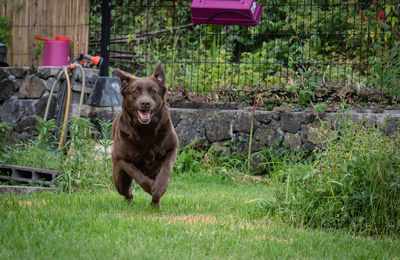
(80, 163)
(353, 183)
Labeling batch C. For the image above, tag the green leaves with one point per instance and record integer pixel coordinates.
(354, 183)
(5, 33)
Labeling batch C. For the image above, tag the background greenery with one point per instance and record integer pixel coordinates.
(302, 52)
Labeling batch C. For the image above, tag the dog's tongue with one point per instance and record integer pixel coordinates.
(144, 115)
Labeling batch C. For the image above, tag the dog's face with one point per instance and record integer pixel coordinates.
(142, 97)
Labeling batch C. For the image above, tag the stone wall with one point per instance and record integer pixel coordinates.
(24, 93)
(295, 130)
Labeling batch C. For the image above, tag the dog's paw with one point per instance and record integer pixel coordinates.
(156, 203)
(158, 189)
(129, 197)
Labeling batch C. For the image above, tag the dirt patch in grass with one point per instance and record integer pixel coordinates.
(28, 203)
(189, 219)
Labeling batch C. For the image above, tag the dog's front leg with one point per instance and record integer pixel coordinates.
(162, 179)
(145, 182)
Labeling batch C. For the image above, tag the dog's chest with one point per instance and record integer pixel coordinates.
(147, 159)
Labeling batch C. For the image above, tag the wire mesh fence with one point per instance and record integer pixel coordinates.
(300, 51)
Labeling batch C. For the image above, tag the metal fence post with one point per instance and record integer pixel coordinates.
(105, 36)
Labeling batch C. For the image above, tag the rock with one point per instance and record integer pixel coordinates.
(203, 105)
(313, 135)
(102, 114)
(12, 78)
(317, 136)
(331, 118)
(77, 87)
(264, 117)
(241, 144)
(8, 87)
(175, 117)
(392, 125)
(242, 123)
(12, 110)
(4, 73)
(27, 124)
(290, 123)
(292, 141)
(218, 128)
(191, 127)
(29, 106)
(40, 106)
(268, 135)
(371, 120)
(45, 72)
(91, 75)
(307, 146)
(305, 118)
(391, 112)
(20, 72)
(49, 84)
(33, 87)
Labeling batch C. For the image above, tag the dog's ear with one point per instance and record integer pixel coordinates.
(159, 74)
(125, 79)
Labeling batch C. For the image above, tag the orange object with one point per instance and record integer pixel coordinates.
(95, 60)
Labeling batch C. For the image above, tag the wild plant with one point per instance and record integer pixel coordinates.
(5, 130)
(188, 160)
(353, 183)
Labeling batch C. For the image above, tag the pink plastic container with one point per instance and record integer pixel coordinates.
(56, 52)
(229, 12)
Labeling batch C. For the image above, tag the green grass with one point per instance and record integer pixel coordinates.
(354, 183)
(201, 217)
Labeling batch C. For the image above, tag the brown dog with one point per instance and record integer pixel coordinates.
(145, 143)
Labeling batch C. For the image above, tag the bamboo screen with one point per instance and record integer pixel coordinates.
(46, 19)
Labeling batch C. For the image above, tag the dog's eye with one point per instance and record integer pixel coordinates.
(153, 92)
(136, 92)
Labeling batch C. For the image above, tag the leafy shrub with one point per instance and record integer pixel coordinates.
(5, 34)
(274, 159)
(353, 183)
(188, 160)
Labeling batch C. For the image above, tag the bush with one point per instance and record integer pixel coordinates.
(188, 160)
(353, 183)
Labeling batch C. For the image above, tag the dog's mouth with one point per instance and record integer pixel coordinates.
(144, 116)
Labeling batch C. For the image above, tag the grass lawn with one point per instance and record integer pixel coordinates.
(201, 217)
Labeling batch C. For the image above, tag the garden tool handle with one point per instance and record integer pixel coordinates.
(96, 60)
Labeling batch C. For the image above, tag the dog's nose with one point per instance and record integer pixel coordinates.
(145, 104)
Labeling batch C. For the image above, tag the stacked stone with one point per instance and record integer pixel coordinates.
(24, 93)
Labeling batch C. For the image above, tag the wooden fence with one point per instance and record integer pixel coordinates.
(46, 19)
